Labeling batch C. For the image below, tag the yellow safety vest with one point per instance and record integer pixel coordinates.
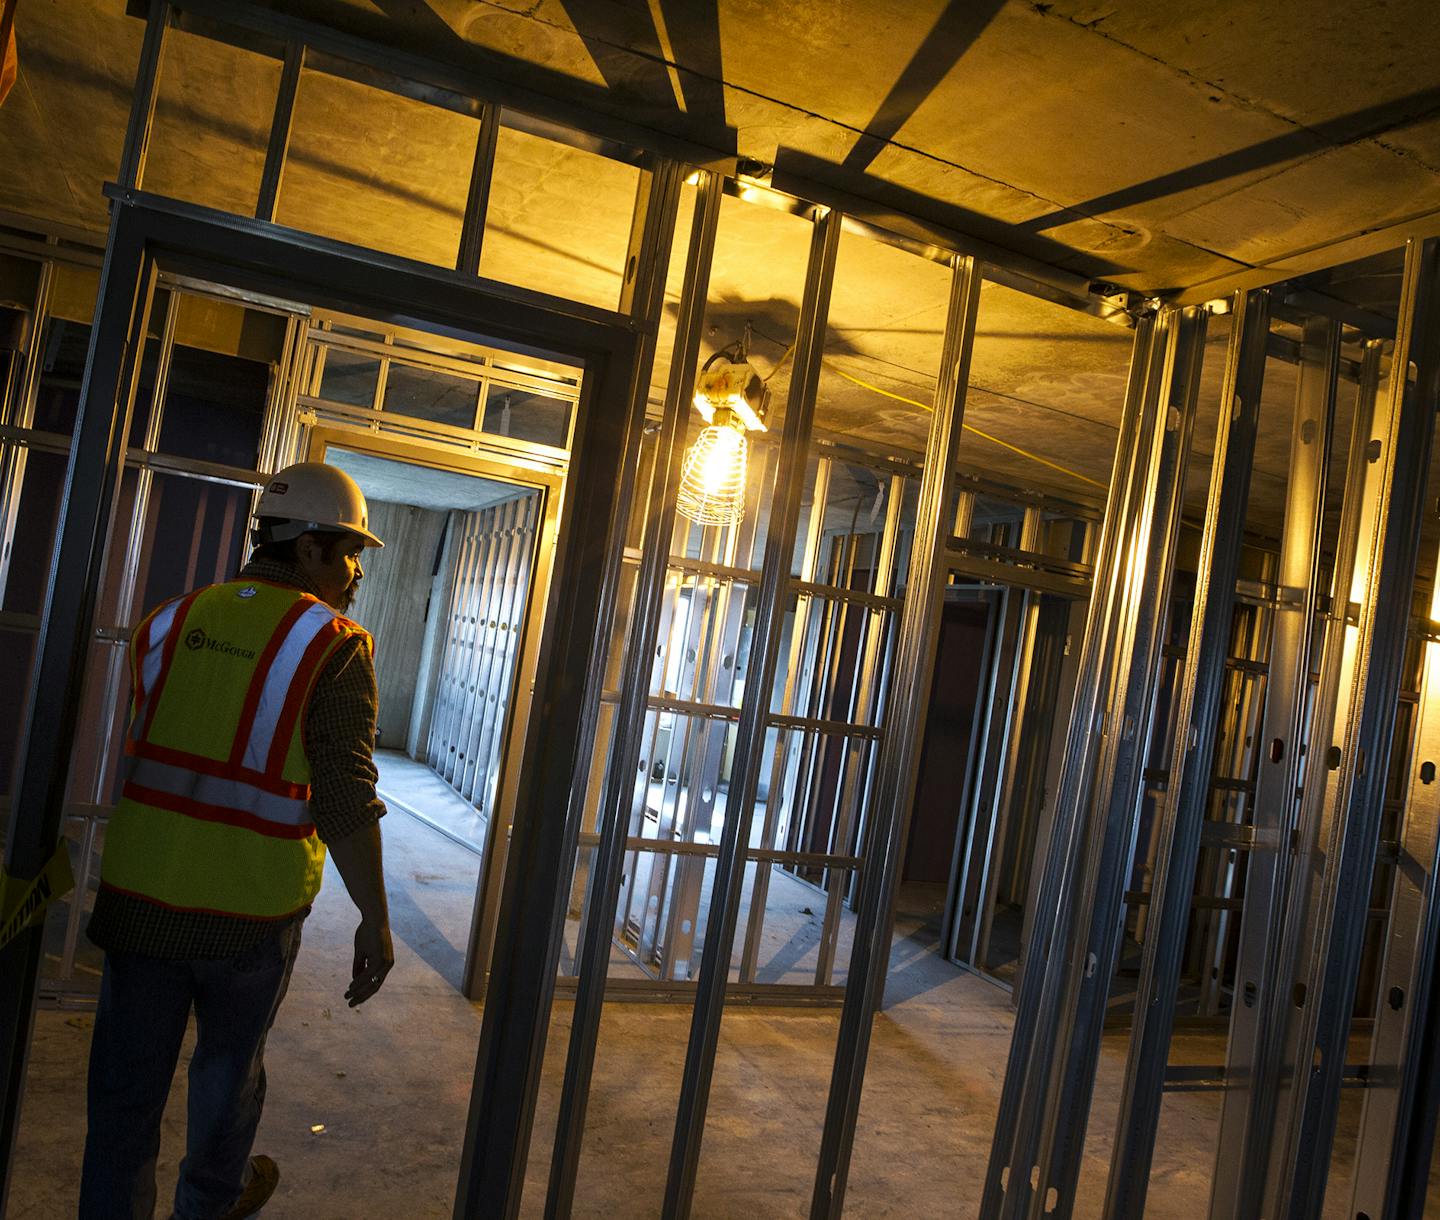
(214, 813)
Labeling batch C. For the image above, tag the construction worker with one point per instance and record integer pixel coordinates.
(249, 753)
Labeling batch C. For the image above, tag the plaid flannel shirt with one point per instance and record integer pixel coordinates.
(339, 734)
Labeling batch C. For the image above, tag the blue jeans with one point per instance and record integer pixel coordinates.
(145, 1004)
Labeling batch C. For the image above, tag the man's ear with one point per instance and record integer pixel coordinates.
(305, 549)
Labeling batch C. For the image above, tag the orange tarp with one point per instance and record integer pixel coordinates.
(9, 58)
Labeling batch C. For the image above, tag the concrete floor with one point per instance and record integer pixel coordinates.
(419, 790)
(387, 1086)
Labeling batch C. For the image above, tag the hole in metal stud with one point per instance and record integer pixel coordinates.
(1427, 773)
(1332, 758)
(1397, 998)
(1307, 432)
(1372, 451)
(1250, 994)
(1277, 750)
(1297, 994)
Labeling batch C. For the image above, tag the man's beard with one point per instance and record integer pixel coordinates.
(347, 599)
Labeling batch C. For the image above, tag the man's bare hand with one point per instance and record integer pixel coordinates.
(374, 955)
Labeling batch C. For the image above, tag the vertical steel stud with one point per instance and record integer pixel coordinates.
(91, 482)
(477, 201)
(1197, 721)
(750, 735)
(900, 754)
(1253, 1058)
(532, 914)
(143, 96)
(1398, 1055)
(1145, 459)
(1340, 914)
(280, 126)
(1084, 974)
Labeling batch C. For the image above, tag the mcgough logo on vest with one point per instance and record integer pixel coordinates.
(197, 639)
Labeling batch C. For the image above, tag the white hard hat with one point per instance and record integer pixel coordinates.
(314, 496)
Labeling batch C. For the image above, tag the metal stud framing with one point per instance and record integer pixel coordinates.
(745, 770)
(485, 615)
(531, 918)
(144, 96)
(781, 761)
(1139, 415)
(1088, 971)
(1310, 868)
(1335, 924)
(1407, 987)
(605, 870)
(280, 125)
(91, 480)
(19, 413)
(477, 201)
(1197, 720)
(1295, 721)
(915, 653)
(1062, 996)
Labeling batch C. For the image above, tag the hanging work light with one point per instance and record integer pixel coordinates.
(730, 396)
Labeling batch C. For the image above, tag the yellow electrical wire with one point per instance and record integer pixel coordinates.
(994, 440)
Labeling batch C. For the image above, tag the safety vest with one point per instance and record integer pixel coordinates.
(214, 814)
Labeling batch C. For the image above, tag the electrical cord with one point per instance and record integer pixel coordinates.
(994, 440)
(875, 389)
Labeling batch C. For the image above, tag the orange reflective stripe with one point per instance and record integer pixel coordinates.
(166, 658)
(147, 649)
(258, 679)
(279, 691)
(299, 695)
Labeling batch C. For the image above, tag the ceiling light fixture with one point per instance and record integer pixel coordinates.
(731, 397)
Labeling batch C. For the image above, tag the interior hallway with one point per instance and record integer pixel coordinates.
(794, 911)
(388, 1085)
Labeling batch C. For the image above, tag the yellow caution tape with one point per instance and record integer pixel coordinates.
(23, 902)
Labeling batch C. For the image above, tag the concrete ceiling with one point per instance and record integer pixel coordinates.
(394, 482)
(1161, 149)
(1156, 145)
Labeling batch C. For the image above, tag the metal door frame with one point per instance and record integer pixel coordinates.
(480, 939)
(150, 235)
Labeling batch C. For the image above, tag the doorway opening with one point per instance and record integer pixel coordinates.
(461, 449)
(446, 602)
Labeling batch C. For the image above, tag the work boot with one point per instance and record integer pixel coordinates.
(264, 1177)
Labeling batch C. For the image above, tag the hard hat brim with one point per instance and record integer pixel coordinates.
(297, 526)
